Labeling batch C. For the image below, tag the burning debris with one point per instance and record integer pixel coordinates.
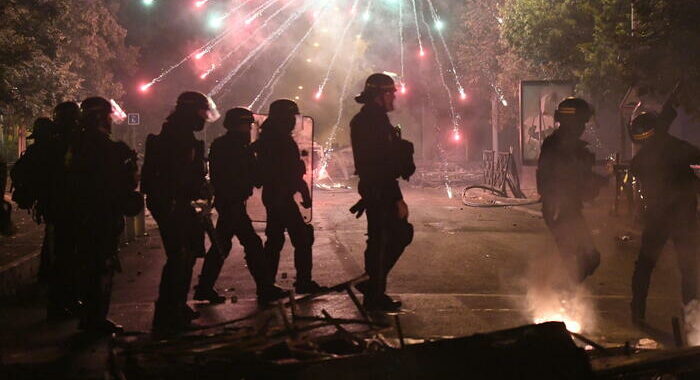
(553, 296)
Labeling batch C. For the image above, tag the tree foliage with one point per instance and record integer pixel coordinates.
(56, 50)
(597, 44)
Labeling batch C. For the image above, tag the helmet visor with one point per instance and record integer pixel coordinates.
(211, 114)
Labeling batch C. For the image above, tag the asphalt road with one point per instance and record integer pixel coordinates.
(468, 270)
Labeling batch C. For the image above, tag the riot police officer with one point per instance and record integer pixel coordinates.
(63, 295)
(381, 157)
(232, 167)
(105, 175)
(282, 176)
(668, 184)
(40, 154)
(174, 175)
(565, 179)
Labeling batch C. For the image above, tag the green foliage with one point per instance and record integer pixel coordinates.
(593, 42)
(56, 50)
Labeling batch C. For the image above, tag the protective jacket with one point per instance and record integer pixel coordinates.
(174, 169)
(232, 166)
(662, 166)
(381, 156)
(565, 175)
(105, 179)
(280, 165)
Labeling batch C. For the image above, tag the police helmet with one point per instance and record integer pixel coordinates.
(96, 106)
(237, 116)
(376, 84)
(573, 109)
(283, 107)
(643, 126)
(203, 104)
(41, 129)
(66, 111)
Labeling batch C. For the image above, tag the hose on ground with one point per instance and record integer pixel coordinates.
(504, 200)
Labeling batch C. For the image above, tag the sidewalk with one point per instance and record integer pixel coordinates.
(19, 254)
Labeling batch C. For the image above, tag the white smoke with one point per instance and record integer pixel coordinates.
(692, 323)
(553, 296)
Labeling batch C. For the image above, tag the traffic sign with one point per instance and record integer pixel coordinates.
(134, 119)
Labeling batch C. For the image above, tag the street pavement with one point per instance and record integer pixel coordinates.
(468, 270)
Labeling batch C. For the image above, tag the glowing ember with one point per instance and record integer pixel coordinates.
(200, 55)
(200, 3)
(422, 53)
(456, 136)
(145, 87)
(322, 173)
(571, 325)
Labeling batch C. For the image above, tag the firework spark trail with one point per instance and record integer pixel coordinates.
(236, 8)
(203, 49)
(243, 43)
(328, 146)
(261, 27)
(282, 28)
(257, 12)
(442, 72)
(353, 12)
(441, 149)
(281, 69)
(415, 20)
(216, 40)
(251, 62)
(403, 71)
(436, 19)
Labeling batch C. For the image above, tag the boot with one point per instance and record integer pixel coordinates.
(270, 294)
(208, 294)
(308, 287)
(381, 303)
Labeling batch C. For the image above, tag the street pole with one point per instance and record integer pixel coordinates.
(494, 124)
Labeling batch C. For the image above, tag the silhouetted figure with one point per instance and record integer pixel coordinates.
(6, 227)
(282, 175)
(30, 179)
(60, 217)
(104, 173)
(173, 175)
(381, 157)
(662, 166)
(565, 179)
(232, 166)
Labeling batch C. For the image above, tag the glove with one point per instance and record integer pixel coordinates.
(358, 208)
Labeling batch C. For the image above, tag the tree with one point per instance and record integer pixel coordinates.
(56, 50)
(490, 68)
(595, 43)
